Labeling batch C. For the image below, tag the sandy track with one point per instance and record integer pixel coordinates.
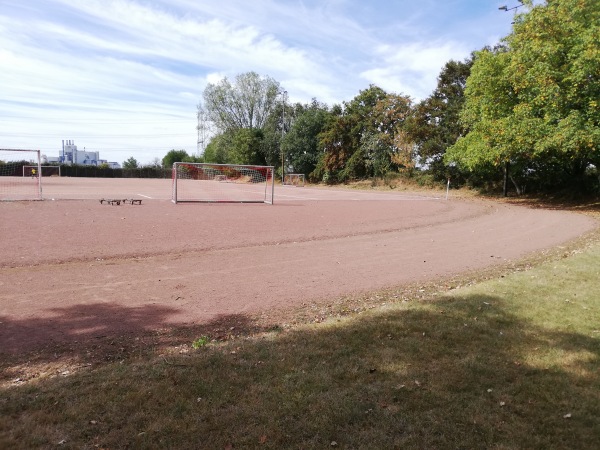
(76, 270)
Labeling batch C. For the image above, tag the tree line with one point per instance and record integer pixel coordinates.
(522, 116)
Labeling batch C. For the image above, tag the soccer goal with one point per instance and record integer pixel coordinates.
(294, 179)
(233, 183)
(13, 185)
(46, 171)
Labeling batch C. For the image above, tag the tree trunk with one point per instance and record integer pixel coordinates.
(505, 188)
(518, 189)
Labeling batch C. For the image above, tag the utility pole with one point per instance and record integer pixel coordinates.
(283, 97)
(198, 129)
(203, 129)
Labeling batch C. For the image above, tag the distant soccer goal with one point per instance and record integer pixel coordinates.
(233, 183)
(13, 185)
(46, 171)
(294, 179)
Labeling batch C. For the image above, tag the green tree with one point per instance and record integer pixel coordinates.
(278, 125)
(343, 157)
(247, 114)
(338, 146)
(385, 146)
(301, 143)
(362, 140)
(242, 146)
(175, 156)
(246, 147)
(434, 124)
(217, 150)
(532, 109)
(130, 163)
(245, 103)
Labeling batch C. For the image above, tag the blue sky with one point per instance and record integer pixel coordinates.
(124, 77)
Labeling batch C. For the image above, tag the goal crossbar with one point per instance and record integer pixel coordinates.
(222, 183)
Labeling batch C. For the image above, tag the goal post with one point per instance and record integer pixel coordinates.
(222, 183)
(46, 171)
(13, 185)
(294, 179)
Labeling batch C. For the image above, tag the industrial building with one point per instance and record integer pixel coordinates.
(69, 155)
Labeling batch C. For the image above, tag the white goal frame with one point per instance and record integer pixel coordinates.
(40, 169)
(222, 183)
(294, 179)
(12, 185)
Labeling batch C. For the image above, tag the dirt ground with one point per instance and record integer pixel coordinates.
(75, 272)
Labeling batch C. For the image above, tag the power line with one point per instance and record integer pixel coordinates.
(100, 136)
(97, 121)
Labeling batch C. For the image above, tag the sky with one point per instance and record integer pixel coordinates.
(124, 77)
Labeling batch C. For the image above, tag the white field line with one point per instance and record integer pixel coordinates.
(145, 196)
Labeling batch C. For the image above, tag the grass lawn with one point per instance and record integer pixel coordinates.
(512, 362)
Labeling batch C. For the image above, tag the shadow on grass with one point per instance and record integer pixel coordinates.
(589, 205)
(460, 372)
(77, 323)
(103, 332)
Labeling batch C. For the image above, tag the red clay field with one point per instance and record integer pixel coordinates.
(75, 270)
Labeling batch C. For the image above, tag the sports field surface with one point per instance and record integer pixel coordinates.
(75, 269)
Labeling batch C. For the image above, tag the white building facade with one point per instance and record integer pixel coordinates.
(71, 156)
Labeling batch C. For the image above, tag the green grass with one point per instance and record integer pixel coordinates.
(507, 363)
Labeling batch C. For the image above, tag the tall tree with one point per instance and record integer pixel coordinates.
(343, 157)
(533, 109)
(245, 103)
(434, 124)
(277, 126)
(385, 146)
(338, 144)
(301, 143)
(361, 141)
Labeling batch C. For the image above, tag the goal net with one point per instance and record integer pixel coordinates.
(294, 179)
(13, 185)
(234, 183)
(46, 171)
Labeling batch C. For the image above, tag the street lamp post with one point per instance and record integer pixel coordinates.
(506, 8)
(283, 96)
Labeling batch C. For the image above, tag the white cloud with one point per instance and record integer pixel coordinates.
(125, 76)
(413, 69)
